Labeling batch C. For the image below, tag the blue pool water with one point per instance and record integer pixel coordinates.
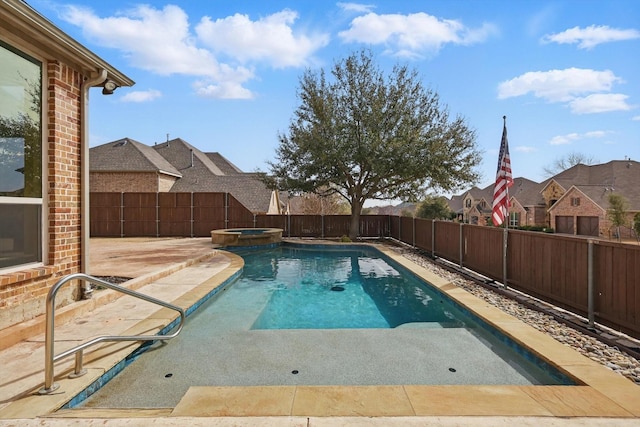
(328, 289)
(280, 323)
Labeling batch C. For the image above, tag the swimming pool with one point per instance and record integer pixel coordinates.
(337, 288)
(226, 342)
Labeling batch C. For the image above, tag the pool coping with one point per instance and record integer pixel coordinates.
(603, 393)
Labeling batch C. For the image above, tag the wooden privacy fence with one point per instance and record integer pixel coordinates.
(165, 214)
(596, 279)
(196, 214)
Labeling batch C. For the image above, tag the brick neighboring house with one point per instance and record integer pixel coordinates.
(578, 198)
(574, 201)
(475, 205)
(45, 77)
(174, 166)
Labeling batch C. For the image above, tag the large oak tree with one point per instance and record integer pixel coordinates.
(365, 136)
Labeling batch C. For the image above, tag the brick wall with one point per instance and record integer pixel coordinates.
(124, 182)
(23, 292)
(586, 207)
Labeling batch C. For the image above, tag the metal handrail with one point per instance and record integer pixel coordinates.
(50, 358)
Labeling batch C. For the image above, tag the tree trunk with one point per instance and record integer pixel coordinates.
(354, 227)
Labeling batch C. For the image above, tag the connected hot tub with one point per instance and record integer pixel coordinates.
(246, 236)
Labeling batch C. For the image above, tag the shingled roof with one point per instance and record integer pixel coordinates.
(198, 171)
(595, 181)
(599, 181)
(223, 164)
(128, 155)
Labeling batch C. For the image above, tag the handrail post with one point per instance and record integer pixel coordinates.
(78, 370)
(50, 357)
(49, 385)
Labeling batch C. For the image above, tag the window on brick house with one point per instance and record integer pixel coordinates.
(575, 201)
(514, 219)
(467, 203)
(20, 158)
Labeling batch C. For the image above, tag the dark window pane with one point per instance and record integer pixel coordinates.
(20, 234)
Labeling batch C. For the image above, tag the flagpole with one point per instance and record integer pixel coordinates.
(505, 235)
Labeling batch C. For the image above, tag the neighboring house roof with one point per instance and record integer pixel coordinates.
(595, 181)
(127, 155)
(183, 156)
(197, 171)
(526, 192)
(455, 203)
(223, 164)
(598, 181)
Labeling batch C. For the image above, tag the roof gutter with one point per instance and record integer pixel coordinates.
(17, 17)
(85, 224)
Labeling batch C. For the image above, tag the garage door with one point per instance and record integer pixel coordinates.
(588, 225)
(564, 224)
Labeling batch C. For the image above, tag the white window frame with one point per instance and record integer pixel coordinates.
(41, 201)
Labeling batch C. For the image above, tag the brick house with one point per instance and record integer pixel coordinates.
(475, 205)
(578, 198)
(175, 166)
(45, 79)
(575, 201)
(127, 165)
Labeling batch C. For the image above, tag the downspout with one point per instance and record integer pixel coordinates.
(84, 178)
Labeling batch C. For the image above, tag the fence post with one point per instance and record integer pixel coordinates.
(121, 214)
(255, 221)
(157, 215)
(226, 210)
(399, 228)
(460, 244)
(505, 239)
(590, 290)
(414, 231)
(433, 238)
(289, 224)
(192, 218)
(321, 225)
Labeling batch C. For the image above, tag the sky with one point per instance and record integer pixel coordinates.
(223, 75)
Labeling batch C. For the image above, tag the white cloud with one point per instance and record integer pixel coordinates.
(636, 118)
(600, 103)
(525, 149)
(573, 137)
(161, 41)
(141, 96)
(413, 34)
(223, 90)
(591, 36)
(558, 85)
(356, 7)
(270, 39)
(152, 39)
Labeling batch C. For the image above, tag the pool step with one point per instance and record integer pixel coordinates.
(112, 413)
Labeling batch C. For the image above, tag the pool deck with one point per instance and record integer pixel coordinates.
(184, 270)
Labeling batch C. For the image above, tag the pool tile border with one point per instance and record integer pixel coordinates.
(604, 393)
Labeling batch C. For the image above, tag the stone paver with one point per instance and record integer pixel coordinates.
(606, 402)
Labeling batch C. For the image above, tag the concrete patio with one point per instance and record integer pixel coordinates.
(183, 270)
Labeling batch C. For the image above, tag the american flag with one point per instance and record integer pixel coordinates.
(504, 180)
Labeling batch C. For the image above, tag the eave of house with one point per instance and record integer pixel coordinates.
(22, 24)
